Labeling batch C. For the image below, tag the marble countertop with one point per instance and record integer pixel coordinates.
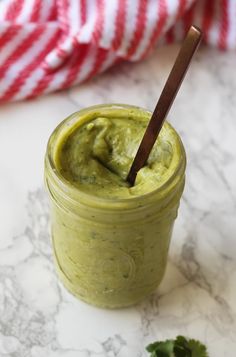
(197, 298)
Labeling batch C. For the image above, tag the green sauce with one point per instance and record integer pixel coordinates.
(96, 157)
(111, 240)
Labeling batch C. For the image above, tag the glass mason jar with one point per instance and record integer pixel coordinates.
(110, 253)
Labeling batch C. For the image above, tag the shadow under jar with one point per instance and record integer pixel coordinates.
(111, 241)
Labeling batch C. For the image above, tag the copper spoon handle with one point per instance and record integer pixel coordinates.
(165, 101)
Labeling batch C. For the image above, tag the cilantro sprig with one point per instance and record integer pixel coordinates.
(180, 347)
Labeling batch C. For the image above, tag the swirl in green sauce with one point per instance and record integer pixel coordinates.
(96, 157)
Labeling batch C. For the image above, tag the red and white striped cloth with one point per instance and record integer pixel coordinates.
(46, 45)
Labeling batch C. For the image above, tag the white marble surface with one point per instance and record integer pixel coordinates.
(197, 297)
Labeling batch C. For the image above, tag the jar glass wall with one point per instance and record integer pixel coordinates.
(110, 252)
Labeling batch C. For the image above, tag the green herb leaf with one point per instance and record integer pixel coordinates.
(162, 349)
(180, 347)
(197, 348)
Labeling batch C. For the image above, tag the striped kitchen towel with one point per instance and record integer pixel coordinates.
(46, 45)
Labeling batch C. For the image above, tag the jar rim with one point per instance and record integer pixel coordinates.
(77, 195)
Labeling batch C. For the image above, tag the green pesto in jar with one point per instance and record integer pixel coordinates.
(110, 240)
